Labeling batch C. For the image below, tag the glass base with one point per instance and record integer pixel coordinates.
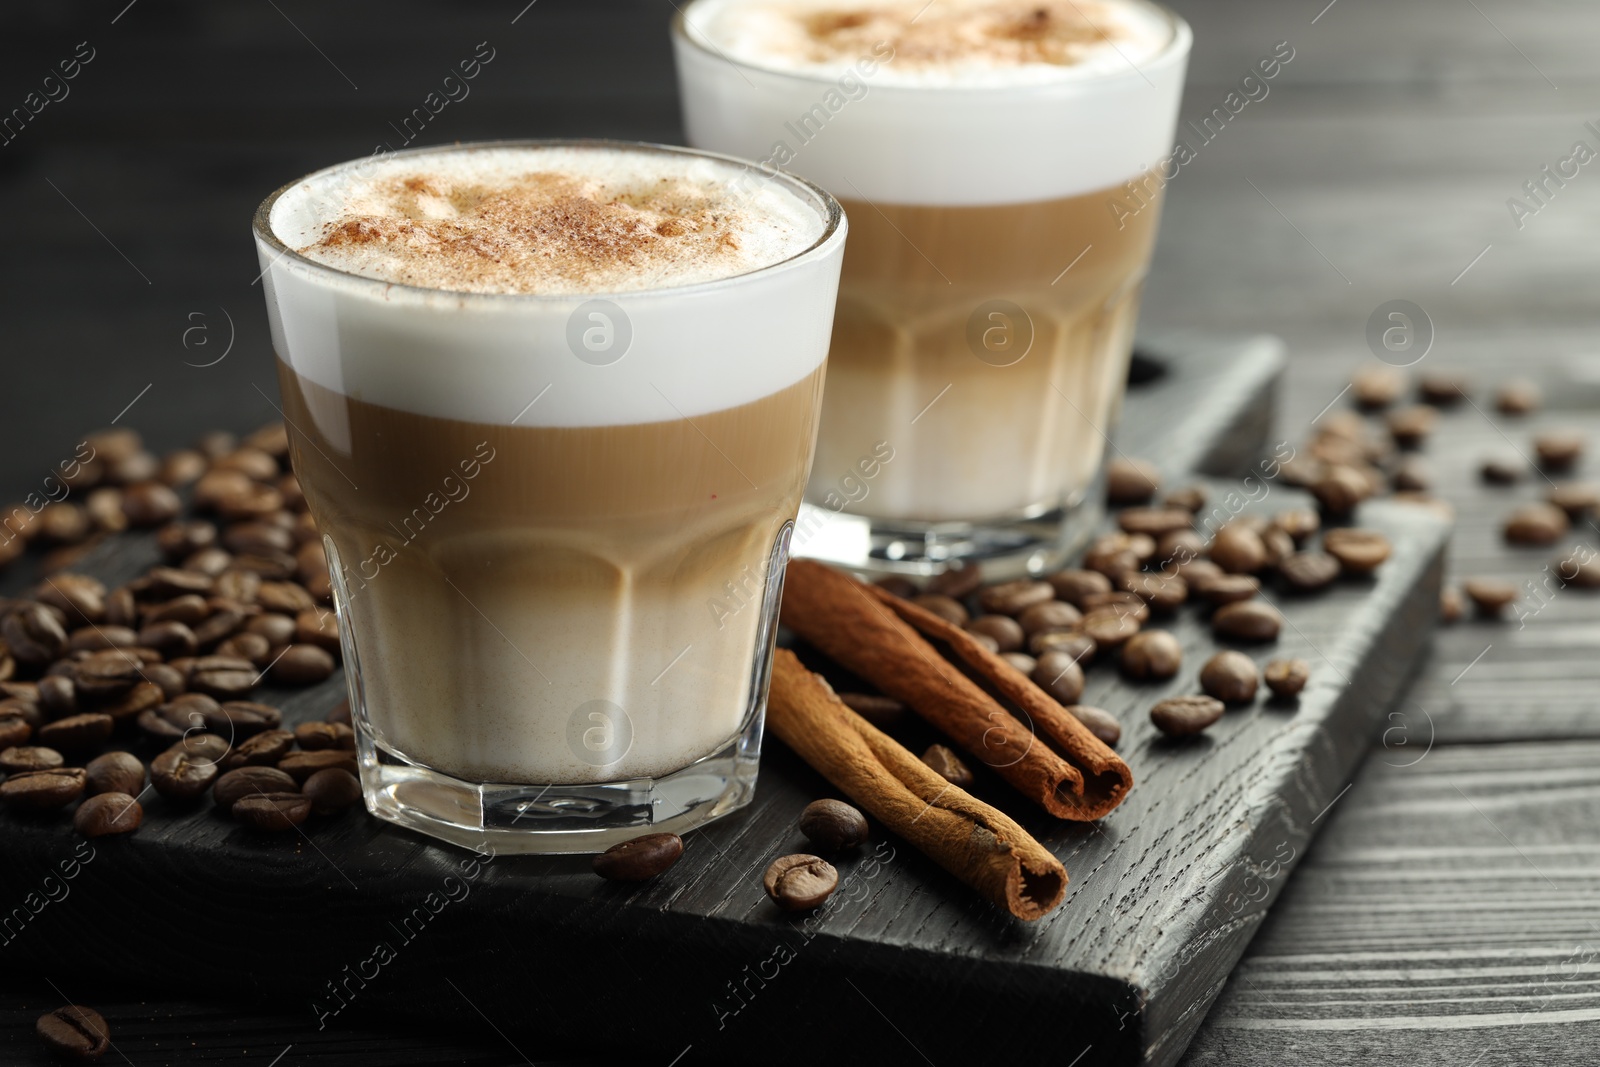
(558, 818)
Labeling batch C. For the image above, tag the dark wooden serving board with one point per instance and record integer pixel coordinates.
(357, 920)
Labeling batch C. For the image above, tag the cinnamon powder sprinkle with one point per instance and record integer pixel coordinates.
(1055, 32)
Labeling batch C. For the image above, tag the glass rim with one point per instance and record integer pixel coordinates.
(1178, 44)
(828, 207)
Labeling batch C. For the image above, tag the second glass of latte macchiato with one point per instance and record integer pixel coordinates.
(553, 406)
(1000, 164)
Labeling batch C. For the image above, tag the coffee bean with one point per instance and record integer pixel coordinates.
(1358, 551)
(1230, 589)
(221, 624)
(986, 642)
(1299, 523)
(1072, 586)
(1411, 475)
(238, 585)
(100, 638)
(1111, 556)
(108, 813)
(1341, 489)
(317, 626)
(1536, 524)
(78, 732)
(75, 1032)
(1230, 677)
(1151, 655)
(1076, 644)
(1238, 550)
(340, 712)
(883, 712)
(285, 598)
(302, 765)
(253, 647)
(1518, 396)
(1005, 631)
(209, 563)
(182, 467)
(29, 758)
(314, 736)
(1199, 573)
(332, 790)
(150, 504)
(1183, 716)
(1558, 450)
(185, 537)
(1100, 722)
(1490, 595)
(1131, 481)
(640, 859)
(1375, 387)
(1013, 598)
(947, 765)
(833, 825)
(178, 774)
(63, 524)
(947, 608)
(1160, 592)
(1179, 548)
(1577, 499)
(800, 882)
(114, 772)
(43, 790)
(249, 537)
(234, 785)
(171, 639)
(1279, 545)
(1580, 573)
(14, 732)
(897, 584)
(301, 665)
(311, 564)
(1060, 675)
(1502, 470)
(1248, 620)
(58, 696)
(272, 812)
(1190, 498)
(223, 677)
(240, 719)
(79, 598)
(34, 635)
(108, 674)
(263, 750)
(955, 582)
(1155, 522)
(1110, 626)
(1130, 604)
(1020, 662)
(277, 629)
(1443, 387)
(190, 609)
(1050, 616)
(1410, 426)
(1451, 606)
(1309, 572)
(1287, 677)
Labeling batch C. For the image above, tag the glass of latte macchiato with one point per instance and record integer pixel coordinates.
(553, 406)
(1002, 165)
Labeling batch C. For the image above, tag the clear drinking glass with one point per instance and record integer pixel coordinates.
(556, 525)
(1000, 236)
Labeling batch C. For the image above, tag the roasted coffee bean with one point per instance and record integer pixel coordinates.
(1238, 549)
(58, 696)
(1049, 616)
(1577, 499)
(34, 635)
(178, 540)
(253, 647)
(223, 677)
(1100, 722)
(1075, 643)
(800, 882)
(178, 774)
(311, 564)
(340, 712)
(240, 719)
(883, 712)
(238, 585)
(14, 730)
(302, 665)
(107, 674)
(1309, 572)
(189, 609)
(115, 772)
(315, 736)
(263, 750)
(1248, 620)
(1519, 396)
(332, 790)
(187, 711)
(1358, 551)
(1279, 545)
(1412, 475)
(986, 642)
(29, 758)
(1160, 592)
(253, 463)
(79, 598)
(142, 697)
(1341, 489)
(1130, 604)
(277, 629)
(78, 732)
(1536, 524)
(1178, 548)
(1013, 598)
(1299, 523)
(171, 639)
(1183, 716)
(1502, 470)
(1110, 626)
(182, 467)
(1443, 387)
(640, 859)
(302, 765)
(1490, 596)
(1287, 677)
(1199, 573)
(104, 508)
(272, 812)
(897, 584)
(100, 638)
(1060, 675)
(1230, 677)
(947, 608)
(1072, 586)
(235, 785)
(1155, 522)
(133, 470)
(1230, 589)
(1111, 556)
(1451, 606)
(150, 504)
(285, 598)
(1151, 655)
(1411, 426)
(209, 562)
(211, 748)
(1558, 450)
(1377, 386)
(42, 790)
(955, 582)
(63, 524)
(121, 608)
(246, 538)
(1005, 631)
(320, 627)
(1190, 498)
(221, 624)
(833, 825)
(1020, 662)
(108, 813)
(1131, 481)
(74, 1032)
(947, 765)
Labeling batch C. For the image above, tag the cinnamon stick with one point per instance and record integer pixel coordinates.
(973, 841)
(877, 636)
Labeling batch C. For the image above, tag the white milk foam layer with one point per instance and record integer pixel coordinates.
(905, 122)
(664, 343)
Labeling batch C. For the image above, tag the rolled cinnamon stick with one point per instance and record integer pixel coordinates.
(973, 841)
(848, 622)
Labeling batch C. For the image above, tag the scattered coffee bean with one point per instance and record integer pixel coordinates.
(240, 719)
(1237, 549)
(1013, 598)
(1309, 572)
(263, 750)
(640, 859)
(1443, 387)
(1248, 620)
(1111, 555)
(1490, 596)
(107, 813)
(332, 790)
(339, 713)
(1519, 396)
(1100, 722)
(1060, 675)
(800, 882)
(1020, 662)
(1559, 450)
(150, 504)
(1536, 524)
(1131, 481)
(242, 782)
(1341, 489)
(1451, 606)
(1155, 522)
(1502, 470)
(1080, 646)
(1005, 631)
(314, 736)
(320, 627)
(986, 642)
(58, 696)
(947, 608)
(42, 790)
(272, 812)
(302, 765)
(29, 758)
(1150, 655)
(947, 765)
(1179, 548)
(1577, 499)
(1130, 604)
(898, 584)
(1411, 426)
(1359, 552)
(1190, 498)
(833, 825)
(34, 635)
(14, 730)
(956, 582)
(301, 665)
(1161, 592)
(1376, 387)
(1412, 475)
(114, 772)
(1182, 716)
(1287, 677)
(78, 732)
(1110, 626)
(1073, 586)
(1231, 677)
(1301, 524)
(253, 647)
(1049, 616)
(178, 774)
(885, 713)
(224, 677)
(1230, 589)
(75, 1032)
